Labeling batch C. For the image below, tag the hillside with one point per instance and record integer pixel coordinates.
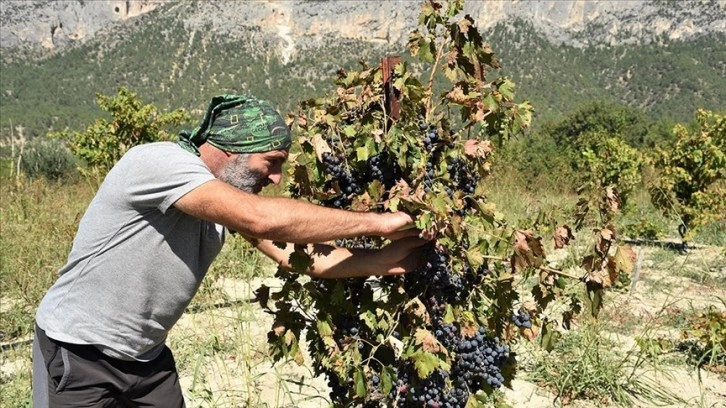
(180, 53)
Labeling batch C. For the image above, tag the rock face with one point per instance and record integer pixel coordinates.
(53, 24)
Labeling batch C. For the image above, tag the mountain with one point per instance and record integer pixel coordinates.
(56, 24)
(665, 57)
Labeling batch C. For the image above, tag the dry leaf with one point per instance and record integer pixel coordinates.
(589, 263)
(452, 56)
(528, 250)
(428, 341)
(457, 95)
(611, 201)
(464, 25)
(477, 148)
(417, 308)
(563, 236)
(529, 333)
(320, 146)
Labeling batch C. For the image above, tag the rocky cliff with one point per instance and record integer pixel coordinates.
(54, 24)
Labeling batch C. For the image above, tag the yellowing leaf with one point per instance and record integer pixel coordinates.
(426, 363)
(624, 258)
(477, 148)
(320, 146)
(427, 341)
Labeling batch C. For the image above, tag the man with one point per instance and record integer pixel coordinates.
(151, 232)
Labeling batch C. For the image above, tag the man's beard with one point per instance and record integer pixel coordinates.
(239, 174)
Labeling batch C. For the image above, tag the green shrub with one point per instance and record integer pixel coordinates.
(691, 174)
(132, 123)
(644, 228)
(49, 159)
(705, 338)
(608, 162)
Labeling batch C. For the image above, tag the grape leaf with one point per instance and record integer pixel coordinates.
(550, 336)
(300, 261)
(563, 235)
(477, 149)
(359, 378)
(427, 341)
(425, 363)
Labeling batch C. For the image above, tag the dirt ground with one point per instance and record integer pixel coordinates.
(244, 375)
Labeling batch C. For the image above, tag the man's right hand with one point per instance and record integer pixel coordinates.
(406, 229)
(398, 225)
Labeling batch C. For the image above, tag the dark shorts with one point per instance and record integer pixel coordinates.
(72, 375)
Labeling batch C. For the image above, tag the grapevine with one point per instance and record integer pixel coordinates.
(439, 336)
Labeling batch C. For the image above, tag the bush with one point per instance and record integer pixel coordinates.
(691, 174)
(645, 228)
(609, 162)
(132, 123)
(49, 159)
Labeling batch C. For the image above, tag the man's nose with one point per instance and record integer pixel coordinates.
(275, 178)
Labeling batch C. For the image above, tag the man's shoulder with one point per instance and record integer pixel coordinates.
(160, 151)
(156, 146)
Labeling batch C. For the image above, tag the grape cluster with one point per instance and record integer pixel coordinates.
(379, 168)
(431, 137)
(522, 319)
(463, 178)
(347, 181)
(447, 334)
(479, 360)
(425, 392)
(430, 140)
(338, 389)
(346, 327)
(437, 278)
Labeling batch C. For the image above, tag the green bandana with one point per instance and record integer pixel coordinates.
(238, 124)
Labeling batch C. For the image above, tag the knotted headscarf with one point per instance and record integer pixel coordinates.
(238, 124)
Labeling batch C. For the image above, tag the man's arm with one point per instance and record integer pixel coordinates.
(331, 262)
(284, 219)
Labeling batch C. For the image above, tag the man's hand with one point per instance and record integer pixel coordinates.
(329, 262)
(403, 227)
(401, 256)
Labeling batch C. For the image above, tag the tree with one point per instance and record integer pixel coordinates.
(609, 162)
(132, 123)
(691, 172)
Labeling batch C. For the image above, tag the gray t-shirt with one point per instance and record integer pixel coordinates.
(136, 261)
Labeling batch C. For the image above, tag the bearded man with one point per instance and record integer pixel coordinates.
(151, 232)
